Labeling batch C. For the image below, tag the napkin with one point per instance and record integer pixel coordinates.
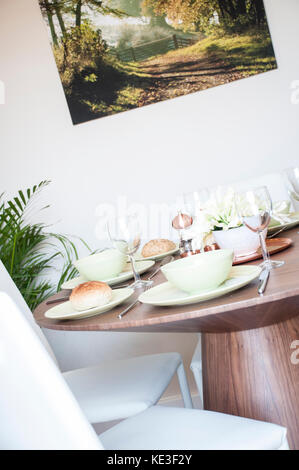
(281, 213)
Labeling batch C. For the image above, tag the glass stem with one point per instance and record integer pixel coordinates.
(264, 248)
(136, 275)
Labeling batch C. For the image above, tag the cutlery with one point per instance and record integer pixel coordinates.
(276, 233)
(264, 276)
(59, 299)
(132, 305)
(166, 260)
(126, 310)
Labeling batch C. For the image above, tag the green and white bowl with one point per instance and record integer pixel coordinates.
(100, 266)
(199, 273)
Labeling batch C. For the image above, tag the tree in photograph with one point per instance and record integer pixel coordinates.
(52, 9)
(48, 10)
(197, 14)
(99, 6)
(140, 9)
(129, 7)
(156, 20)
(78, 12)
(58, 6)
(187, 14)
(58, 9)
(259, 11)
(80, 49)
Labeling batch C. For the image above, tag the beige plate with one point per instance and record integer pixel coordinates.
(166, 295)
(294, 221)
(65, 311)
(141, 266)
(139, 256)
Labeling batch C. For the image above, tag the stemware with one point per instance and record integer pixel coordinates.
(254, 207)
(195, 201)
(125, 234)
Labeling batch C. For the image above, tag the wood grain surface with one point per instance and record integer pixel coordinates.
(241, 310)
(250, 374)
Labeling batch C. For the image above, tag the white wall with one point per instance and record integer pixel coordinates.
(224, 134)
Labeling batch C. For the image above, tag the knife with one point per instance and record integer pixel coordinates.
(264, 276)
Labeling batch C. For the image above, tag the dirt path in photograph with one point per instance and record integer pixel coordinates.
(181, 75)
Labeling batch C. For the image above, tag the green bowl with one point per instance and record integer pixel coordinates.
(101, 266)
(199, 273)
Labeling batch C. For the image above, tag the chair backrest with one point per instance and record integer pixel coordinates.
(274, 182)
(7, 285)
(37, 409)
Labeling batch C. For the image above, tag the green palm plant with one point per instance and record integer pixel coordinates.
(29, 250)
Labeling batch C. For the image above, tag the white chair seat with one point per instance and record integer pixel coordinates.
(38, 410)
(122, 388)
(104, 389)
(162, 428)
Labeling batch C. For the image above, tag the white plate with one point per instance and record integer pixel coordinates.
(294, 221)
(65, 311)
(141, 267)
(165, 294)
(139, 256)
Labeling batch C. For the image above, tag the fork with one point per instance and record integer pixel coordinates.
(276, 233)
(129, 307)
(166, 260)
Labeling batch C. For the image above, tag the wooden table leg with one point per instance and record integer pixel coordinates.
(251, 374)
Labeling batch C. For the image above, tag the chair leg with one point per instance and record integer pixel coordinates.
(196, 368)
(184, 386)
(197, 373)
(285, 445)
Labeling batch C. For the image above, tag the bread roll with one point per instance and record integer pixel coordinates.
(90, 294)
(157, 247)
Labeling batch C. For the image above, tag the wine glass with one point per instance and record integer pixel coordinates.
(195, 201)
(254, 207)
(125, 234)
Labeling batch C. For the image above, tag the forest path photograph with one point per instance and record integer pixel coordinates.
(119, 55)
(202, 66)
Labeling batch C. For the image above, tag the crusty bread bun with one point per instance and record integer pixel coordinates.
(157, 247)
(90, 294)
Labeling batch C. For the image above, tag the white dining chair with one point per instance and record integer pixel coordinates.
(39, 412)
(112, 389)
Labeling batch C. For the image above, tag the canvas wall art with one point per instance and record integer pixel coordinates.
(117, 55)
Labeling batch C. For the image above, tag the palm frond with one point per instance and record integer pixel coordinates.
(28, 250)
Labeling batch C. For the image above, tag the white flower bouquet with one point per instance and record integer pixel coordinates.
(220, 210)
(219, 213)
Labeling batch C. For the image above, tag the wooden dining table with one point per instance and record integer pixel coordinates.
(250, 342)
